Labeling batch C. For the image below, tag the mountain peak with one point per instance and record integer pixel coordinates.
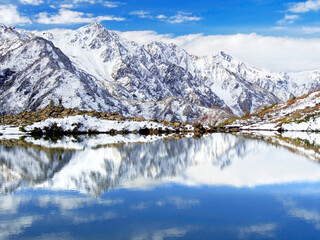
(95, 29)
(95, 25)
(157, 43)
(225, 56)
(5, 28)
(163, 45)
(13, 35)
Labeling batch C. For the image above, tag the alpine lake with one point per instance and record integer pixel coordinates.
(220, 186)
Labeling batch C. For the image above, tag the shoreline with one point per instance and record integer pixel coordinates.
(56, 130)
(55, 121)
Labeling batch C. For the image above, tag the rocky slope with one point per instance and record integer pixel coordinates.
(297, 114)
(93, 68)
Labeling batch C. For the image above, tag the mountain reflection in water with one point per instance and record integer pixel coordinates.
(220, 186)
(217, 159)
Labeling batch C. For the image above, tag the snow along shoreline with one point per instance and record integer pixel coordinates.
(310, 126)
(82, 124)
(88, 124)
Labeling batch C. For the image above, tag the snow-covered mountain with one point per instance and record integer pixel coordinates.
(11, 38)
(94, 68)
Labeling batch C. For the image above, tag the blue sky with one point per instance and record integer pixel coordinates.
(178, 17)
(269, 34)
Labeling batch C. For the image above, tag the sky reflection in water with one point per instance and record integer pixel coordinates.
(220, 186)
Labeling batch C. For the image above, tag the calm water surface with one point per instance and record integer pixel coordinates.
(217, 187)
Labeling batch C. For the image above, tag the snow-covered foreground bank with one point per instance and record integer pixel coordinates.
(83, 123)
(87, 124)
(10, 132)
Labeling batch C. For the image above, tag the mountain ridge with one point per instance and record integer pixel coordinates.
(109, 73)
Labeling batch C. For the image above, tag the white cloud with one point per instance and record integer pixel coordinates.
(10, 228)
(179, 202)
(306, 215)
(32, 2)
(311, 30)
(55, 236)
(299, 8)
(141, 14)
(288, 19)
(144, 37)
(260, 230)
(88, 1)
(303, 7)
(163, 233)
(182, 17)
(161, 16)
(309, 216)
(273, 53)
(67, 203)
(66, 6)
(10, 204)
(110, 4)
(9, 15)
(140, 206)
(65, 16)
(280, 28)
(87, 218)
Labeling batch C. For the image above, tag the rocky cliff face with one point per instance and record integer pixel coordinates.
(93, 68)
(37, 71)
